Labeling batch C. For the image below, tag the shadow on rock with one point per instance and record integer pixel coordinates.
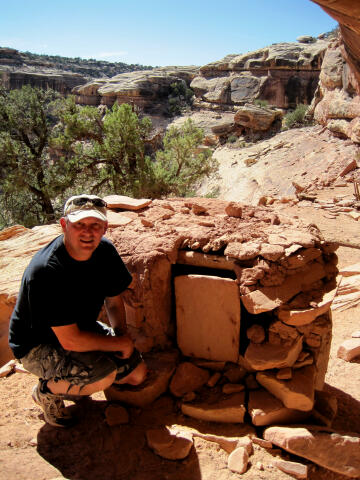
(348, 414)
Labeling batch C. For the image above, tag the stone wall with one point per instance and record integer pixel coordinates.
(237, 291)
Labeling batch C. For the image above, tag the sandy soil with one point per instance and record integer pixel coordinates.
(32, 450)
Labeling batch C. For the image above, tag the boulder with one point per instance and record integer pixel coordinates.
(349, 349)
(256, 118)
(337, 452)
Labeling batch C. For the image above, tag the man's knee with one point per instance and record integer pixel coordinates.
(138, 375)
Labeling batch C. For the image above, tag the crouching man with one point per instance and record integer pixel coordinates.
(54, 329)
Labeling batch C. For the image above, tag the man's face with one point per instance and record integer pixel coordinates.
(82, 238)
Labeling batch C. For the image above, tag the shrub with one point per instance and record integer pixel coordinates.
(261, 103)
(297, 117)
(232, 138)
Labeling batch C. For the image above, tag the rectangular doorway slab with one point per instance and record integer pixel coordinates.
(208, 317)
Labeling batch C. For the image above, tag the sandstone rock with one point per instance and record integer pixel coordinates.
(238, 460)
(307, 315)
(349, 349)
(306, 39)
(261, 442)
(235, 373)
(126, 203)
(256, 333)
(229, 444)
(284, 374)
(116, 415)
(245, 251)
(266, 355)
(228, 410)
(229, 388)
(297, 393)
(295, 469)
(188, 378)
(251, 383)
(271, 252)
(234, 209)
(169, 445)
(116, 219)
(356, 334)
(213, 379)
(162, 366)
(256, 118)
(8, 368)
(336, 452)
(210, 365)
(265, 409)
(210, 300)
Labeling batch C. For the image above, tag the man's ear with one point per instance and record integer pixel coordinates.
(106, 227)
(63, 223)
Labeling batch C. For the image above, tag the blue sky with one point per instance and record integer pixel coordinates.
(156, 32)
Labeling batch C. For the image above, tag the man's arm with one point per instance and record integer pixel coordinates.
(115, 310)
(72, 338)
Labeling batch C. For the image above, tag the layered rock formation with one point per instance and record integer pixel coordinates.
(16, 70)
(148, 89)
(252, 287)
(284, 74)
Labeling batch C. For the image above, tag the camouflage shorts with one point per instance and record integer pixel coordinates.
(78, 368)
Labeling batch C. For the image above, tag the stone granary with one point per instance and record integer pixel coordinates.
(230, 305)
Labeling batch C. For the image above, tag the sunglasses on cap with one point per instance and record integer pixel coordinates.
(97, 202)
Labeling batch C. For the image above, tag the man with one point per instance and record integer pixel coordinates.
(54, 329)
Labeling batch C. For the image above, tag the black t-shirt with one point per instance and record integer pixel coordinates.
(57, 290)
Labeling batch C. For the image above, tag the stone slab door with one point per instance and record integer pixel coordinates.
(208, 317)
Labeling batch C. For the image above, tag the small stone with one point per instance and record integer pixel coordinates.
(246, 443)
(188, 378)
(349, 349)
(214, 379)
(235, 374)
(229, 388)
(189, 397)
(259, 466)
(33, 442)
(284, 374)
(147, 223)
(256, 333)
(169, 444)
(198, 209)
(261, 442)
(298, 470)
(116, 415)
(8, 368)
(234, 209)
(356, 334)
(238, 460)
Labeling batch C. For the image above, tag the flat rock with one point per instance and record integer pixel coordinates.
(307, 315)
(162, 366)
(172, 445)
(297, 470)
(349, 349)
(211, 301)
(188, 378)
(265, 409)
(297, 393)
(337, 452)
(8, 368)
(117, 219)
(266, 356)
(238, 460)
(217, 409)
(126, 203)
